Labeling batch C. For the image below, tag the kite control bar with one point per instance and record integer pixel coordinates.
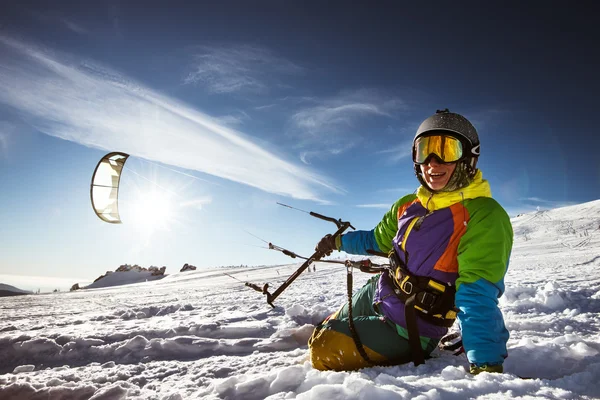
(341, 225)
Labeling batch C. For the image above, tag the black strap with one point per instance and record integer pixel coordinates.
(414, 339)
(355, 337)
(430, 302)
(377, 253)
(410, 313)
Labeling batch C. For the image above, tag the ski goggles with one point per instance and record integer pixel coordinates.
(447, 148)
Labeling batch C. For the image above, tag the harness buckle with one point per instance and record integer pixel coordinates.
(407, 287)
(428, 299)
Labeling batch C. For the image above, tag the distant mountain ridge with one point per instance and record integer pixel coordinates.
(8, 290)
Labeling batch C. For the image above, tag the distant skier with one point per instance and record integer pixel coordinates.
(449, 246)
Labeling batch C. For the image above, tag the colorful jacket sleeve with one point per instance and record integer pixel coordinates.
(483, 255)
(378, 239)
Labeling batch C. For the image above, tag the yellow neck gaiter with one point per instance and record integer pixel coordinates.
(434, 201)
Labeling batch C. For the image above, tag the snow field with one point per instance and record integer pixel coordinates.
(202, 334)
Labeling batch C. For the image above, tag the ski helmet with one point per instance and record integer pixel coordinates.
(455, 125)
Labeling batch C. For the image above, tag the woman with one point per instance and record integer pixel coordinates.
(449, 246)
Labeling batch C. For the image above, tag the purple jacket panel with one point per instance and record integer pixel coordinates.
(424, 248)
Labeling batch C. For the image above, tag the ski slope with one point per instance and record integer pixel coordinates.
(204, 335)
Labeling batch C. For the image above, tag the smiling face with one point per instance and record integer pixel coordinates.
(437, 174)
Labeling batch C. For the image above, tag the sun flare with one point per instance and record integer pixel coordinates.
(153, 210)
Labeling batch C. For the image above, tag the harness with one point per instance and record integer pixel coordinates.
(428, 298)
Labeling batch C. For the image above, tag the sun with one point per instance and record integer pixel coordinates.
(153, 210)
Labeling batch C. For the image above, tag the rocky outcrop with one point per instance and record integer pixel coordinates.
(187, 267)
(155, 271)
(75, 287)
(127, 267)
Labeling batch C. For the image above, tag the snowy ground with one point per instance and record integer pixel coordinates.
(203, 335)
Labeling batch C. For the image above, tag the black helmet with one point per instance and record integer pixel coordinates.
(457, 126)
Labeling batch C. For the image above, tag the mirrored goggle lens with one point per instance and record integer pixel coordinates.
(447, 148)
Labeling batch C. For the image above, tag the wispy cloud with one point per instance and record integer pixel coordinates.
(73, 26)
(307, 156)
(238, 68)
(3, 144)
(6, 131)
(386, 206)
(324, 116)
(344, 110)
(98, 108)
(332, 126)
(198, 203)
(400, 190)
(546, 203)
(233, 119)
(59, 19)
(265, 107)
(398, 153)
(481, 119)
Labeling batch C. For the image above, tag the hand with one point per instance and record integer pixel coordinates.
(486, 368)
(326, 245)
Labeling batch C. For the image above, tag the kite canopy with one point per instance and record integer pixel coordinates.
(104, 190)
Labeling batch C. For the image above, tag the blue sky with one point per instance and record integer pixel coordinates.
(228, 108)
